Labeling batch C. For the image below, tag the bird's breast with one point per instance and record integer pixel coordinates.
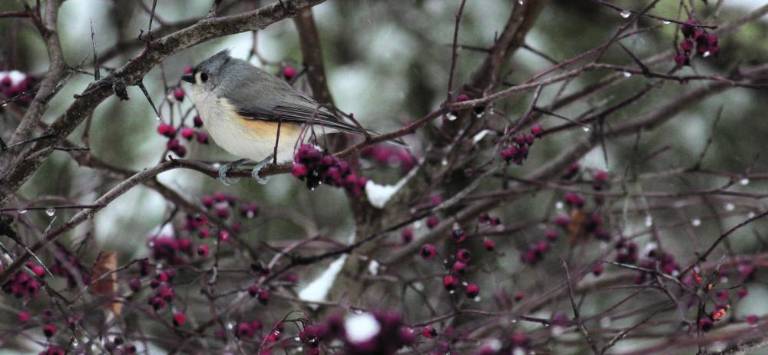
(244, 137)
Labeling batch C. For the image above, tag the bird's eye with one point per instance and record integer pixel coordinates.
(203, 77)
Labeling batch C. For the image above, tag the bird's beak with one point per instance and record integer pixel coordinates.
(190, 78)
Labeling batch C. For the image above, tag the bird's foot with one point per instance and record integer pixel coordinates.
(256, 172)
(224, 171)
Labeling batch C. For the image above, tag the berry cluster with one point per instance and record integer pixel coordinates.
(516, 150)
(458, 263)
(379, 332)
(388, 155)
(316, 167)
(163, 291)
(626, 252)
(177, 247)
(260, 293)
(535, 252)
(696, 41)
(170, 249)
(189, 134)
(26, 285)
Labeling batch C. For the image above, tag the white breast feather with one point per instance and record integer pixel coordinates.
(221, 121)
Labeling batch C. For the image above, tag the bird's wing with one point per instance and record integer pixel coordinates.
(261, 96)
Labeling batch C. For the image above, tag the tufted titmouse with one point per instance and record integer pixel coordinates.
(244, 108)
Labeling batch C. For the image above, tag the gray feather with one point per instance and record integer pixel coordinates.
(259, 95)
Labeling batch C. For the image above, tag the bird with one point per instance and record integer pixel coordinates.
(244, 108)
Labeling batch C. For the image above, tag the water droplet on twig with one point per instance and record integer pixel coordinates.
(50, 211)
(696, 222)
(627, 74)
(23, 211)
(625, 13)
(729, 206)
(744, 181)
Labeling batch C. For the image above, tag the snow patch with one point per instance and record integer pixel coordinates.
(318, 289)
(480, 135)
(379, 195)
(361, 327)
(164, 230)
(373, 267)
(16, 76)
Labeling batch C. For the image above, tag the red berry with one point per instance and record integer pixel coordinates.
(178, 94)
(537, 130)
(207, 201)
(299, 170)
(461, 98)
(551, 235)
(197, 121)
(49, 330)
(450, 282)
(572, 170)
(406, 235)
(432, 221)
(562, 220)
(173, 144)
(598, 269)
(179, 319)
(459, 266)
(166, 130)
(428, 332)
(23, 316)
(689, 27)
(263, 296)
(407, 335)
(244, 330)
(489, 244)
(202, 137)
(203, 250)
(289, 72)
(519, 339)
(705, 323)
(573, 199)
(180, 150)
(428, 251)
(135, 284)
(682, 59)
(463, 255)
(472, 290)
(742, 292)
(38, 270)
(458, 234)
(187, 133)
(222, 212)
(223, 236)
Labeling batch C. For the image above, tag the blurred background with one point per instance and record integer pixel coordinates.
(387, 62)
